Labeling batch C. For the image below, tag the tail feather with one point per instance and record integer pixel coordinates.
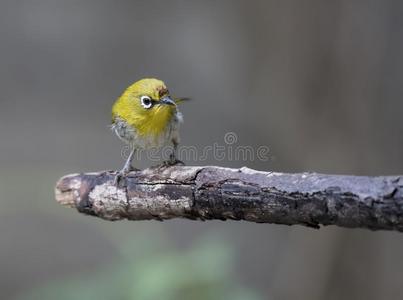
(180, 100)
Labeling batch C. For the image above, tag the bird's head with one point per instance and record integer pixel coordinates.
(147, 106)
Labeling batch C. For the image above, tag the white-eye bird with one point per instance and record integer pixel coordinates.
(146, 116)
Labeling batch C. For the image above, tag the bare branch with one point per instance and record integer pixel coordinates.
(207, 193)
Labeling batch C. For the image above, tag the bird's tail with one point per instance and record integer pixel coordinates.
(180, 100)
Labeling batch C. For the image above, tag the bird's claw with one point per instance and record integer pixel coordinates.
(119, 176)
(122, 174)
(172, 162)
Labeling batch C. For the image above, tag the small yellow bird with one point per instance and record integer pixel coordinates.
(146, 116)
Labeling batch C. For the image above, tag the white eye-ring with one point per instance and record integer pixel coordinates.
(146, 101)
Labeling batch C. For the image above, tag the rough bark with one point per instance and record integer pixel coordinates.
(207, 193)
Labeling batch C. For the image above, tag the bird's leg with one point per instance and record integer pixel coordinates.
(127, 167)
(173, 160)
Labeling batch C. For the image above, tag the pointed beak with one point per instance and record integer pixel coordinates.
(168, 101)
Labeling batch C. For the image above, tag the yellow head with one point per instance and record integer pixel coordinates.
(147, 106)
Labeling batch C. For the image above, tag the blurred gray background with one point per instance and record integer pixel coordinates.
(318, 82)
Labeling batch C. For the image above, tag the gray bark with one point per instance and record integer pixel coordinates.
(207, 193)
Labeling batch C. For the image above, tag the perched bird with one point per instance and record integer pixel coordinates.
(146, 116)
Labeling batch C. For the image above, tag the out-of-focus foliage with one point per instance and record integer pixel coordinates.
(147, 271)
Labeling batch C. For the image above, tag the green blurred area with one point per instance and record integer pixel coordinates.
(151, 268)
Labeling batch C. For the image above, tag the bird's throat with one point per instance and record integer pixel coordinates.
(157, 121)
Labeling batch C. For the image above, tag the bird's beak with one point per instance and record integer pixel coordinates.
(168, 101)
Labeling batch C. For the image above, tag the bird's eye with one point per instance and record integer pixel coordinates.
(146, 101)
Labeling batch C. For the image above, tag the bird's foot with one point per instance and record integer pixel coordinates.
(172, 161)
(123, 173)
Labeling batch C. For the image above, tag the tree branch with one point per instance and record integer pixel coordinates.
(206, 193)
